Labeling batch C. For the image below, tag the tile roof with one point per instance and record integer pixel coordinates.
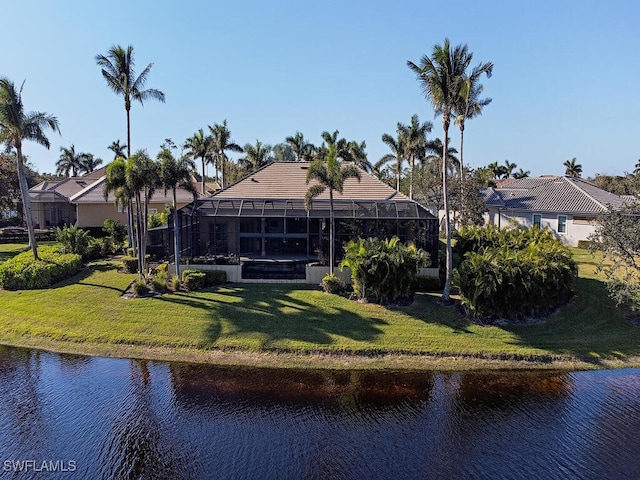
(288, 180)
(553, 194)
(94, 193)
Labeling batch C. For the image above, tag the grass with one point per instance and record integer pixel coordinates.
(295, 325)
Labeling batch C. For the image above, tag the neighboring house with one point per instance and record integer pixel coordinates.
(81, 201)
(569, 206)
(263, 216)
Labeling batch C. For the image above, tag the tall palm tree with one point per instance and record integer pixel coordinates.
(573, 169)
(302, 149)
(520, 174)
(69, 162)
(357, 155)
(396, 145)
(200, 146)
(509, 167)
(118, 149)
(415, 142)
(441, 77)
(220, 144)
(329, 173)
(16, 126)
(256, 156)
(116, 182)
(89, 163)
(118, 70)
(469, 104)
(174, 174)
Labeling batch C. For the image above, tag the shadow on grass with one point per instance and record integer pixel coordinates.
(590, 327)
(80, 277)
(272, 313)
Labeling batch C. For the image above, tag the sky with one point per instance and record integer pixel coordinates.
(565, 81)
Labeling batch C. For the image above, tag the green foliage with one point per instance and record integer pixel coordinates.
(175, 283)
(193, 279)
(140, 288)
(333, 284)
(22, 272)
(73, 239)
(511, 273)
(157, 219)
(423, 283)
(214, 277)
(115, 231)
(160, 283)
(130, 264)
(383, 269)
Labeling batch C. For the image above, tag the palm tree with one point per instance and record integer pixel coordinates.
(508, 168)
(520, 174)
(302, 149)
(116, 182)
(69, 162)
(220, 144)
(396, 145)
(441, 77)
(89, 163)
(434, 152)
(357, 155)
(200, 146)
(414, 143)
(176, 174)
(16, 126)
(118, 70)
(256, 156)
(118, 149)
(573, 169)
(330, 174)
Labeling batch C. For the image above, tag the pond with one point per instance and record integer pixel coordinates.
(67, 416)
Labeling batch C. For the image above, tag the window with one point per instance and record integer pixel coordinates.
(562, 224)
(537, 221)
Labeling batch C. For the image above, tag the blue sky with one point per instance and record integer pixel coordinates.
(565, 82)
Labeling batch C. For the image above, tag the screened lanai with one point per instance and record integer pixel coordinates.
(279, 228)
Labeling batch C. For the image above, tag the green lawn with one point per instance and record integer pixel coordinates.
(291, 318)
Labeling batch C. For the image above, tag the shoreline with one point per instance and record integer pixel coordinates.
(319, 360)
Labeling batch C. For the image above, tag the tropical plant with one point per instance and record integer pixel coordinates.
(255, 156)
(118, 149)
(73, 239)
(221, 142)
(572, 169)
(509, 167)
(116, 183)
(302, 149)
(521, 174)
(174, 174)
(200, 146)
(396, 145)
(69, 162)
(89, 163)
(441, 77)
(329, 174)
(383, 269)
(16, 126)
(118, 70)
(282, 152)
(414, 142)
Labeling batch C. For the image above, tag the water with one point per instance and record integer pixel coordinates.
(128, 419)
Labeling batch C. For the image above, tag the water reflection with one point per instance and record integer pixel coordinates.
(128, 419)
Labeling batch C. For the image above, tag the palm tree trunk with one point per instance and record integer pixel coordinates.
(176, 235)
(332, 233)
(398, 167)
(131, 240)
(128, 132)
(26, 203)
(139, 238)
(446, 293)
(411, 178)
(202, 177)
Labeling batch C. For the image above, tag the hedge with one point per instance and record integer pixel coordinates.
(202, 278)
(22, 272)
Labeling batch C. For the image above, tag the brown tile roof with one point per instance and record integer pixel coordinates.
(288, 180)
(94, 193)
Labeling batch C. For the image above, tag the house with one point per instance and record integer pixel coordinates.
(263, 217)
(81, 201)
(569, 206)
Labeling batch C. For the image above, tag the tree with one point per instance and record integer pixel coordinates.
(200, 146)
(396, 145)
(118, 70)
(521, 174)
(256, 156)
(89, 163)
(176, 174)
(414, 141)
(441, 77)
(329, 173)
(508, 168)
(302, 149)
(69, 162)
(573, 169)
(16, 126)
(116, 183)
(221, 142)
(119, 150)
(282, 152)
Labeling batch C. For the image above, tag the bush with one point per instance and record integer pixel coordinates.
(383, 269)
(73, 239)
(130, 264)
(115, 231)
(140, 288)
(525, 273)
(333, 284)
(193, 279)
(214, 277)
(22, 272)
(159, 285)
(175, 283)
(422, 283)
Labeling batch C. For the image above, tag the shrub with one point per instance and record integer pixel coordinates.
(422, 283)
(333, 284)
(140, 288)
(159, 285)
(525, 273)
(214, 277)
(175, 283)
(163, 267)
(73, 239)
(115, 231)
(130, 264)
(383, 269)
(193, 279)
(22, 272)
